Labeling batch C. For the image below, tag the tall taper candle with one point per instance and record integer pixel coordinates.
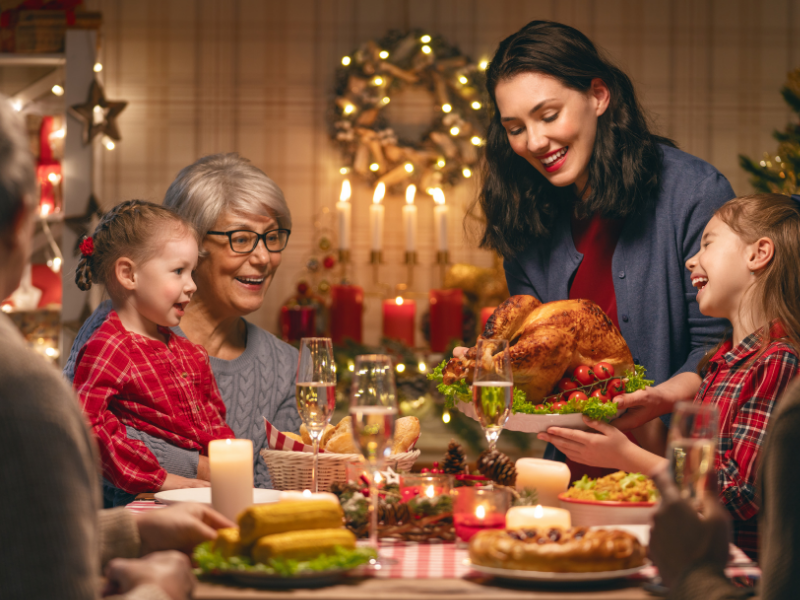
(410, 219)
(440, 220)
(344, 212)
(376, 218)
(231, 464)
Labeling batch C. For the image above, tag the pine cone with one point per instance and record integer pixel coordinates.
(498, 467)
(454, 459)
(393, 514)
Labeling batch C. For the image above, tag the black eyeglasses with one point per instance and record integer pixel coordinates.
(244, 241)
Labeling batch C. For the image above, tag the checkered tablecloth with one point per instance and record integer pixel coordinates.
(449, 561)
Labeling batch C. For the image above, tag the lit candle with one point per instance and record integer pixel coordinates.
(344, 212)
(533, 517)
(548, 477)
(410, 219)
(231, 464)
(476, 509)
(440, 220)
(422, 484)
(308, 495)
(398, 320)
(447, 317)
(376, 217)
(347, 307)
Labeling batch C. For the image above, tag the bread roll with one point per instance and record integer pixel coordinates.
(406, 432)
(293, 436)
(326, 435)
(304, 434)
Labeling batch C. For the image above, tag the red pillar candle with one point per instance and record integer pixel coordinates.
(347, 307)
(447, 318)
(485, 314)
(297, 322)
(398, 320)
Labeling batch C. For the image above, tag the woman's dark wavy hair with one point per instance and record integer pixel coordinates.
(519, 204)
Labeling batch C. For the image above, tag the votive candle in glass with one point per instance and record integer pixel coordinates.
(479, 508)
(231, 465)
(423, 484)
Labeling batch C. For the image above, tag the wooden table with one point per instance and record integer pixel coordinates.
(433, 589)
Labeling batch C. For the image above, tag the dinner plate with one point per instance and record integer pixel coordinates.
(555, 577)
(533, 423)
(203, 496)
(301, 580)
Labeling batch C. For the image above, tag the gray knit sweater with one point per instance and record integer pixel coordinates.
(54, 539)
(259, 383)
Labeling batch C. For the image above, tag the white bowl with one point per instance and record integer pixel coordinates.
(589, 513)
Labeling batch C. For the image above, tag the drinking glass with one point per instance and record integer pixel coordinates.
(316, 391)
(373, 408)
(691, 445)
(492, 387)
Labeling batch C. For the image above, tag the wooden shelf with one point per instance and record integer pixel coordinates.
(8, 59)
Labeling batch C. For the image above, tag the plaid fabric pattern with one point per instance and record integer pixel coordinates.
(745, 391)
(165, 390)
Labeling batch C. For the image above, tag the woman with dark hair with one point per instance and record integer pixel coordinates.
(582, 200)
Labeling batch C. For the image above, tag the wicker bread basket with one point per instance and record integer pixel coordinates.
(292, 470)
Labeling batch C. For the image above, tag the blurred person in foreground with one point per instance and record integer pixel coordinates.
(691, 551)
(55, 538)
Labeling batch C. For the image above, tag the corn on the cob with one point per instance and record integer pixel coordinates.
(228, 543)
(267, 519)
(302, 545)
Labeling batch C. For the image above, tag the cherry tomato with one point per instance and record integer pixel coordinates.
(600, 396)
(603, 370)
(615, 388)
(566, 384)
(560, 404)
(577, 396)
(584, 375)
(541, 407)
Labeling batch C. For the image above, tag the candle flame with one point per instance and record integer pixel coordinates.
(399, 301)
(411, 190)
(345, 195)
(307, 493)
(380, 192)
(378, 478)
(538, 512)
(438, 196)
(480, 512)
(228, 441)
(429, 492)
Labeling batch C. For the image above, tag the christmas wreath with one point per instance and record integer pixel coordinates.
(365, 83)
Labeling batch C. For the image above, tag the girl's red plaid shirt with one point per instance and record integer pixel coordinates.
(166, 390)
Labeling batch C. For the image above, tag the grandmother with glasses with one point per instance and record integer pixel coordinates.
(246, 225)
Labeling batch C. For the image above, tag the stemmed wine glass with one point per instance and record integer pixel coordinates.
(691, 445)
(373, 408)
(492, 387)
(316, 391)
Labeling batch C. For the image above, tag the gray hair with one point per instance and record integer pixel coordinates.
(224, 183)
(17, 172)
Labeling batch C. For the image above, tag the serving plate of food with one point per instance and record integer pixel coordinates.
(552, 554)
(616, 499)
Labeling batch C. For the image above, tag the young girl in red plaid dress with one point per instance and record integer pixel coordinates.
(134, 372)
(747, 271)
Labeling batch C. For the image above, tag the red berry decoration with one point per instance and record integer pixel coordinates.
(87, 247)
(329, 262)
(302, 288)
(424, 470)
(603, 370)
(584, 375)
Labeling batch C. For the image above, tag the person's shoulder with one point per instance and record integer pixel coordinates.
(688, 181)
(780, 350)
(107, 338)
(677, 161)
(263, 337)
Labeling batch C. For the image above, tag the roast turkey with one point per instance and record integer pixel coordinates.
(547, 341)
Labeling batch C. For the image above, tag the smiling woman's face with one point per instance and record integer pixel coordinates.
(231, 283)
(552, 126)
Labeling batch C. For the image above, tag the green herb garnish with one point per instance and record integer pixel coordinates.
(636, 380)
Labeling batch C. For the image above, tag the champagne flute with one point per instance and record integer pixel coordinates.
(691, 445)
(373, 408)
(316, 391)
(492, 387)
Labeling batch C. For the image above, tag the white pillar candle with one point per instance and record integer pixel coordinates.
(440, 220)
(548, 477)
(534, 517)
(231, 464)
(410, 219)
(344, 212)
(308, 495)
(376, 217)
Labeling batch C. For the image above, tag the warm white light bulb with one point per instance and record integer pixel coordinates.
(440, 163)
(349, 108)
(426, 49)
(409, 168)
(400, 367)
(463, 79)
(374, 167)
(344, 170)
(97, 67)
(425, 39)
(386, 100)
(57, 90)
(446, 108)
(466, 172)
(345, 60)
(483, 65)
(399, 301)
(384, 54)
(378, 81)
(454, 131)
(476, 141)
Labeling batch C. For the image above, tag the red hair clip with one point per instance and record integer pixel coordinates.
(87, 246)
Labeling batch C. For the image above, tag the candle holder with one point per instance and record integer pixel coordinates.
(442, 259)
(344, 260)
(476, 509)
(376, 259)
(423, 484)
(411, 260)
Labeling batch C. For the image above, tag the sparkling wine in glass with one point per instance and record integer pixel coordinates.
(492, 387)
(373, 408)
(691, 446)
(316, 391)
